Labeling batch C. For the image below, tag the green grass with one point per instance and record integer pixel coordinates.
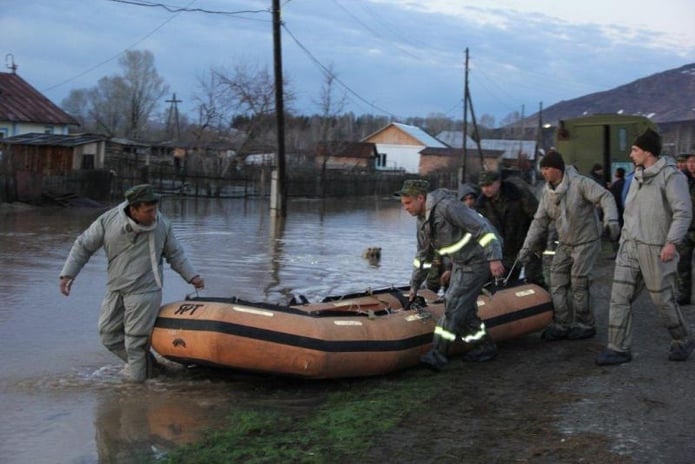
(343, 427)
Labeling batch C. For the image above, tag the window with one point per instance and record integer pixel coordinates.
(47, 129)
(381, 160)
(87, 161)
(622, 139)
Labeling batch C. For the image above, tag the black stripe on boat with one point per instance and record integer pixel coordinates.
(283, 338)
(329, 345)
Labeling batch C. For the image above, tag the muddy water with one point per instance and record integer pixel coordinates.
(63, 397)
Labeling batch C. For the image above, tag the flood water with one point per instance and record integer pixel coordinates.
(63, 397)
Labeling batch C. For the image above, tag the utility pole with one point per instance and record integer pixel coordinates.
(174, 126)
(278, 183)
(539, 143)
(462, 170)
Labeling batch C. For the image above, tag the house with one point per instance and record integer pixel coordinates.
(438, 160)
(399, 145)
(346, 155)
(24, 110)
(517, 155)
(55, 163)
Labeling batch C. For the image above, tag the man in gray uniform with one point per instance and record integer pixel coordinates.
(448, 228)
(569, 200)
(135, 237)
(657, 215)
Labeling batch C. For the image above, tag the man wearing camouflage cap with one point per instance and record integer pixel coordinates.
(509, 205)
(448, 228)
(136, 237)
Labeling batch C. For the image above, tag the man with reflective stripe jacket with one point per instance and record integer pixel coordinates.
(447, 227)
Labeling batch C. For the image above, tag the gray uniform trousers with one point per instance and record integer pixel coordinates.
(125, 325)
(638, 266)
(461, 304)
(570, 281)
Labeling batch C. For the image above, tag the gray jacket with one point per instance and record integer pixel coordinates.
(453, 230)
(572, 206)
(134, 253)
(658, 207)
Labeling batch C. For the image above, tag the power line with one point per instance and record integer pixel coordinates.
(328, 73)
(175, 11)
(373, 31)
(191, 10)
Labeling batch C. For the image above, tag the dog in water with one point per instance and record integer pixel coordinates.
(373, 255)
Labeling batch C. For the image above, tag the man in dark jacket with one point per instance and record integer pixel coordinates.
(447, 227)
(510, 209)
(685, 248)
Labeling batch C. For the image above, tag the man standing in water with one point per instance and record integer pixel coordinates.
(447, 227)
(135, 237)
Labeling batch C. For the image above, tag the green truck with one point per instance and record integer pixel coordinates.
(604, 139)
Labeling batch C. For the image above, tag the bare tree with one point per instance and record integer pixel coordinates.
(213, 120)
(120, 105)
(77, 105)
(144, 88)
(247, 95)
(330, 105)
(108, 105)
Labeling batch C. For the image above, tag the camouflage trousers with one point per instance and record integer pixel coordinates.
(461, 305)
(638, 266)
(570, 280)
(125, 325)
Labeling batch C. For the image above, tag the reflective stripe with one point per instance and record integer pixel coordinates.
(456, 246)
(487, 238)
(548, 252)
(421, 265)
(483, 241)
(450, 336)
(476, 336)
(445, 334)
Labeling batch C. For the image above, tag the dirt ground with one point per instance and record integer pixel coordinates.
(547, 402)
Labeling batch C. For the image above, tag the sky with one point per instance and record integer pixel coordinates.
(397, 58)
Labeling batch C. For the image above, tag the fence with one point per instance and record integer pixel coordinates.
(107, 186)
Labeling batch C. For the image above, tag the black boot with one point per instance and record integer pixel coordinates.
(483, 351)
(434, 360)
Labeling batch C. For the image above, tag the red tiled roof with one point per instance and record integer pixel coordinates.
(20, 102)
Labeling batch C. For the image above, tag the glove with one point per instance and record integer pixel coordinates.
(525, 256)
(613, 230)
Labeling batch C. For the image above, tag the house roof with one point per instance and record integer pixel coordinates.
(415, 132)
(347, 149)
(20, 102)
(457, 152)
(510, 147)
(53, 139)
(453, 139)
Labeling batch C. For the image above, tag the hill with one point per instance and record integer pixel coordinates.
(663, 97)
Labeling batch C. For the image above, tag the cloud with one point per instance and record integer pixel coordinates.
(405, 56)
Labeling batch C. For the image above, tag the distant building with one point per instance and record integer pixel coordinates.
(517, 155)
(347, 155)
(438, 160)
(55, 164)
(399, 145)
(24, 110)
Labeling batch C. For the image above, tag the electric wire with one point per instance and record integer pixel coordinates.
(327, 72)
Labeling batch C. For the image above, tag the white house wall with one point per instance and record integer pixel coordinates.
(10, 129)
(406, 157)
